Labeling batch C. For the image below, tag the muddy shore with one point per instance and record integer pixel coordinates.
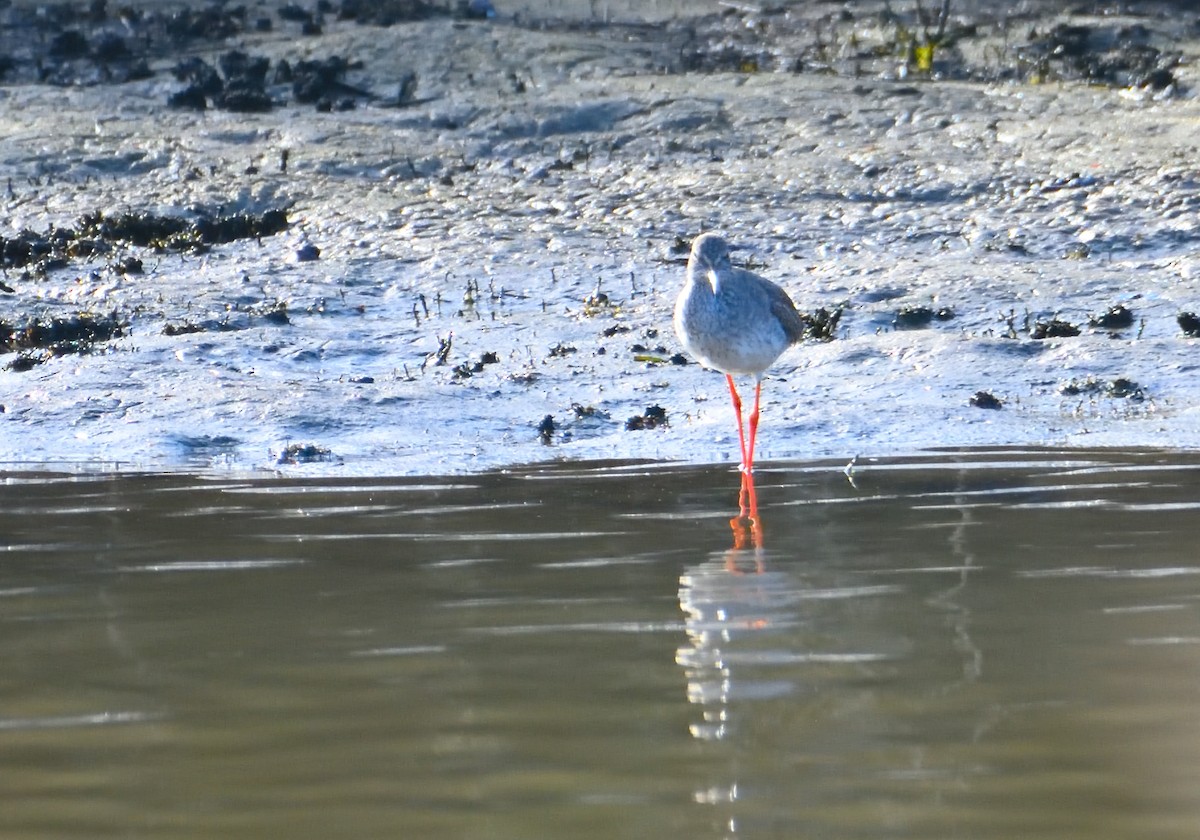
(424, 238)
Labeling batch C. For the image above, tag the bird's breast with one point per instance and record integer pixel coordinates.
(728, 332)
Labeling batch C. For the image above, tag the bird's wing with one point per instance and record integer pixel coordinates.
(785, 312)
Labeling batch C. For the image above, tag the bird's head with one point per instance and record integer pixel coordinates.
(710, 253)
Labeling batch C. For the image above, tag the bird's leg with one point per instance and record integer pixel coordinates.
(753, 425)
(747, 527)
(737, 408)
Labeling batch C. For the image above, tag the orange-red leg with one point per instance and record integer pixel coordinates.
(753, 425)
(747, 527)
(737, 408)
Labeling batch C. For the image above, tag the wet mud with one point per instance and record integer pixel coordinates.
(352, 215)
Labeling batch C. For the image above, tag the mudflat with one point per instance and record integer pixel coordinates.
(424, 238)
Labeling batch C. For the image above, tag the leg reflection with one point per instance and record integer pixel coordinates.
(747, 529)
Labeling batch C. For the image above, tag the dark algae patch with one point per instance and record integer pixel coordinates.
(468, 369)
(96, 42)
(1031, 43)
(1106, 55)
(986, 399)
(306, 453)
(653, 417)
(1120, 388)
(250, 84)
(919, 317)
(1116, 317)
(175, 233)
(98, 233)
(99, 42)
(1054, 328)
(822, 323)
(37, 341)
(1189, 323)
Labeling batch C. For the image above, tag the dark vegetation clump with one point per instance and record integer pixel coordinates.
(92, 42)
(210, 23)
(1104, 55)
(468, 369)
(39, 340)
(96, 234)
(588, 412)
(1189, 323)
(319, 82)
(919, 317)
(1116, 317)
(41, 251)
(190, 327)
(145, 230)
(822, 323)
(931, 41)
(986, 399)
(174, 233)
(1126, 389)
(388, 12)
(305, 453)
(1054, 328)
(652, 418)
(1119, 388)
(242, 82)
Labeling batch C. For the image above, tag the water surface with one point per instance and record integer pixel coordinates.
(986, 645)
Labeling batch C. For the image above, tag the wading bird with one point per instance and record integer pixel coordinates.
(735, 322)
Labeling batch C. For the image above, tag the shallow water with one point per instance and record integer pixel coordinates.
(993, 644)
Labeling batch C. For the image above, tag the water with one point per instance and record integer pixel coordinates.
(986, 645)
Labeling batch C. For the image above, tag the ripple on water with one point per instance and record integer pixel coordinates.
(210, 566)
(925, 644)
(105, 718)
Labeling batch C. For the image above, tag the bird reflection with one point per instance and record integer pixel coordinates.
(722, 599)
(773, 641)
(725, 598)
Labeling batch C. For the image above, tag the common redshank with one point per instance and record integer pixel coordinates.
(735, 322)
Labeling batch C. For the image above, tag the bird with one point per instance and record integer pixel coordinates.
(735, 322)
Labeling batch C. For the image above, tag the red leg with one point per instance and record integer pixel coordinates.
(737, 407)
(754, 425)
(747, 527)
